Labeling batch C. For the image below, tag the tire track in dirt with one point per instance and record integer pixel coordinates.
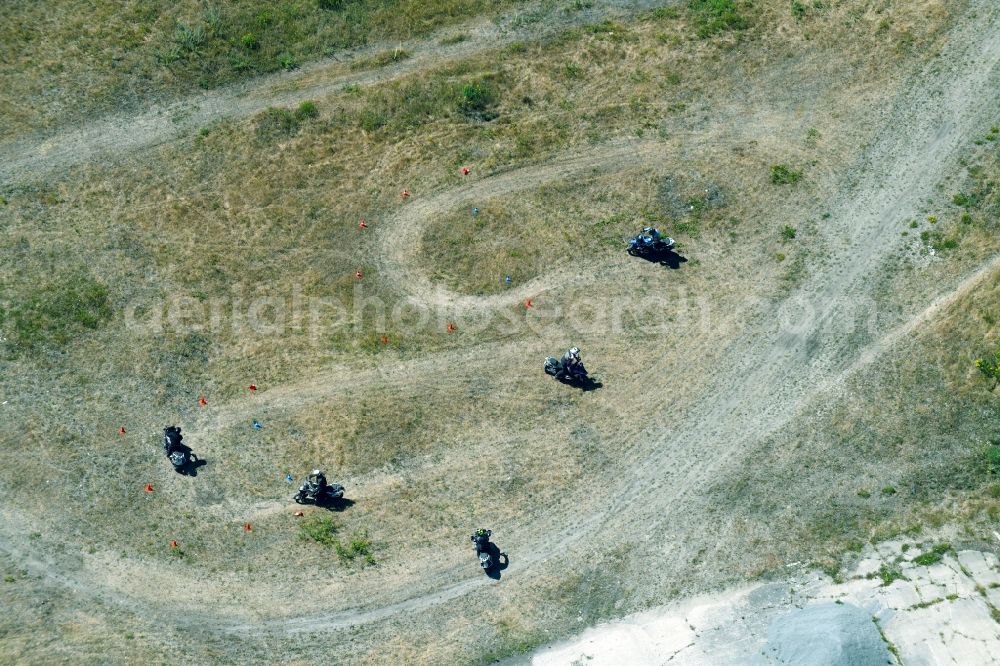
(771, 383)
(114, 137)
(912, 157)
(588, 525)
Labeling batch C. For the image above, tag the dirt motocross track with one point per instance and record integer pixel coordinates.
(778, 358)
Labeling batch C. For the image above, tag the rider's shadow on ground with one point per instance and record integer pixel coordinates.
(584, 384)
(667, 258)
(338, 505)
(502, 562)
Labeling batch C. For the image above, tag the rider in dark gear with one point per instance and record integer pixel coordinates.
(481, 538)
(571, 361)
(172, 439)
(318, 481)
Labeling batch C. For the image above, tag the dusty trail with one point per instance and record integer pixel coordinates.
(117, 137)
(770, 383)
(792, 355)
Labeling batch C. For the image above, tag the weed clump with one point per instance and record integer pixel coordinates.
(715, 16)
(991, 457)
(320, 529)
(782, 175)
(932, 556)
(276, 122)
(323, 530)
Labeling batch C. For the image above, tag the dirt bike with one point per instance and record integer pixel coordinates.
(644, 244)
(574, 373)
(180, 455)
(310, 492)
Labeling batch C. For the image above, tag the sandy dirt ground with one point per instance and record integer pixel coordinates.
(787, 355)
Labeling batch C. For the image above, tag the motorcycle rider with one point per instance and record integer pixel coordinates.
(650, 236)
(172, 438)
(317, 481)
(481, 538)
(571, 361)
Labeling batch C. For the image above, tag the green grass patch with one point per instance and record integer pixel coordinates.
(783, 175)
(319, 528)
(991, 458)
(55, 314)
(356, 548)
(277, 123)
(932, 556)
(711, 17)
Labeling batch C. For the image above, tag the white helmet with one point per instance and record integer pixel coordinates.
(574, 350)
(317, 472)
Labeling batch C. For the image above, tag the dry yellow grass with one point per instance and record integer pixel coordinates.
(433, 445)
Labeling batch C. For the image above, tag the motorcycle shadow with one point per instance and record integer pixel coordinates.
(502, 562)
(191, 469)
(667, 258)
(584, 385)
(337, 505)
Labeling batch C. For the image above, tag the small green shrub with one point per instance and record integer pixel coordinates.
(307, 110)
(330, 5)
(932, 556)
(475, 99)
(715, 16)
(320, 529)
(788, 233)
(798, 9)
(287, 61)
(370, 120)
(249, 41)
(888, 490)
(991, 457)
(864, 494)
(889, 573)
(782, 175)
(989, 368)
(357, 547)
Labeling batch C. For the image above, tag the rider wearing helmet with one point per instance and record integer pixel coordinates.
(650, 236)
(571, 359)
(481, 538)
(318, 480)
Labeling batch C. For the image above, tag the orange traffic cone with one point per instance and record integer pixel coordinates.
(299, 513)
(362, 225)
(173, 544)
(252, 387)
(451, 328)
(247, 528)
(527, 303)
(149, 487)
(385, 339)
(202, 401)
(357, 274)
(404, 193)
(121, 431)
(465, 171)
